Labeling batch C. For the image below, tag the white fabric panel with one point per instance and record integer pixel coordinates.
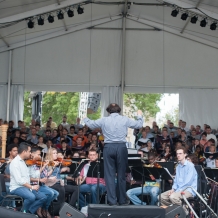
(66, 60)
(16, 103)
(109, 95)
(199, 106)
(3, 100)
(4, 59)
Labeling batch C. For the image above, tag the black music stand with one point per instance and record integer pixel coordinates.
(212, 173)
(159, 173)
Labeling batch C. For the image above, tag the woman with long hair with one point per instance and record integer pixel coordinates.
(57, 183)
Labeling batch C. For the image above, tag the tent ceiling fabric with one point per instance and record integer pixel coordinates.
(158, 57)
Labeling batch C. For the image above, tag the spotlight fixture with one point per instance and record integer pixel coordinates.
(30, 24)
(174, 12)
(213, 26)
(50, 18)
(60, 15)
(184, 16)
(40, 21)
(80, 10)
(203, 23)
(70, 13)
(194, 19)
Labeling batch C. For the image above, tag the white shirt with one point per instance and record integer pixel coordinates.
(19, 173)
(212, 136)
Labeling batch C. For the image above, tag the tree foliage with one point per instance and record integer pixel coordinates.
(148, 103)
(57, 104)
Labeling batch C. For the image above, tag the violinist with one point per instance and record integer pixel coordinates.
(55, 177)
(151, 188)
(35, 178)
(20, 182)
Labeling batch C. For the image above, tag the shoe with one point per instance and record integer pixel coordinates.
(125, 204)
(39, 213)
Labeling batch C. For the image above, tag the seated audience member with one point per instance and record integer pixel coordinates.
(15, 141)
(204, 141)
(64, 150)
(151, 188)
(72, 131)
(91, 182)
(210, 161)
(143, 139)
(80, 135)
(15, 135)
(20, 182)
(48, 135)
(64, 123)
(58, 146)
(210, 135)
(198, 130)
(66, 137)
(199, 154)
(78, 125)
(33, 137)
(39, 131)
(23, 137)
(183, 126)
(79, 147)
(41, 143)
(54, 136)
(167, 155)
(197, 143)
(186, 176)
(164, 138)
(52, 124)
(35, 177)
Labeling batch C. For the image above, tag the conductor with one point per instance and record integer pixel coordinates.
(114, 128)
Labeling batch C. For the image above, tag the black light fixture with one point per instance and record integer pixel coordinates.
(213, 26)
(40, 21)
(80, 10)
(30, 24)
(194, 19)
(203, 23)
(50, 18)
(70, 13)
(184, 16)
(174, 12)
(60, 15)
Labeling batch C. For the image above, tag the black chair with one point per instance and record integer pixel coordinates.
(7, 198)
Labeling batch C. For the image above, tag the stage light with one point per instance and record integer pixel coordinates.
(60, 15)
(184, 16)
(213, 26)
(40, 21)
(70, 13)
(50, 18)
(174, 12)
(194, 19)
(203, 23)
(30, 24)
(80, 10)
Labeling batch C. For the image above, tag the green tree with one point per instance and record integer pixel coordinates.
(148, 103)
(27, 114)
(173, 115)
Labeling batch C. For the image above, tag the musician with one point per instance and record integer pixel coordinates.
(91, 182)
(186, 175)
(55, 178)
(151, 188)
(20, 182)
(35, 178)
(210, 160)
(114, 128)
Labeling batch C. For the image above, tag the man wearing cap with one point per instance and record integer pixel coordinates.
(53, 125)
(114, 128)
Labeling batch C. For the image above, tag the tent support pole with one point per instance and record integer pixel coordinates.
(123, 54)
(9, 84)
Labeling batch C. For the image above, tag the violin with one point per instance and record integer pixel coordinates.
(4, 160)
(65, 162)
(31, 162)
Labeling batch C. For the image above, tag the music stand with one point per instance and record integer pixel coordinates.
(212, 173)
(159, 173)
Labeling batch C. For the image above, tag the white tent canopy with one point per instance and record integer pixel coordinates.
(147, 50)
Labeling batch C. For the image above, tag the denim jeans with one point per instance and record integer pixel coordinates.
(32, 199)
(50, 193)
(152, 190)
(92, 188)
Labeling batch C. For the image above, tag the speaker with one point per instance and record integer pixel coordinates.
(175, 210)
(130, 211)
(9, 213)
(67, 211)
